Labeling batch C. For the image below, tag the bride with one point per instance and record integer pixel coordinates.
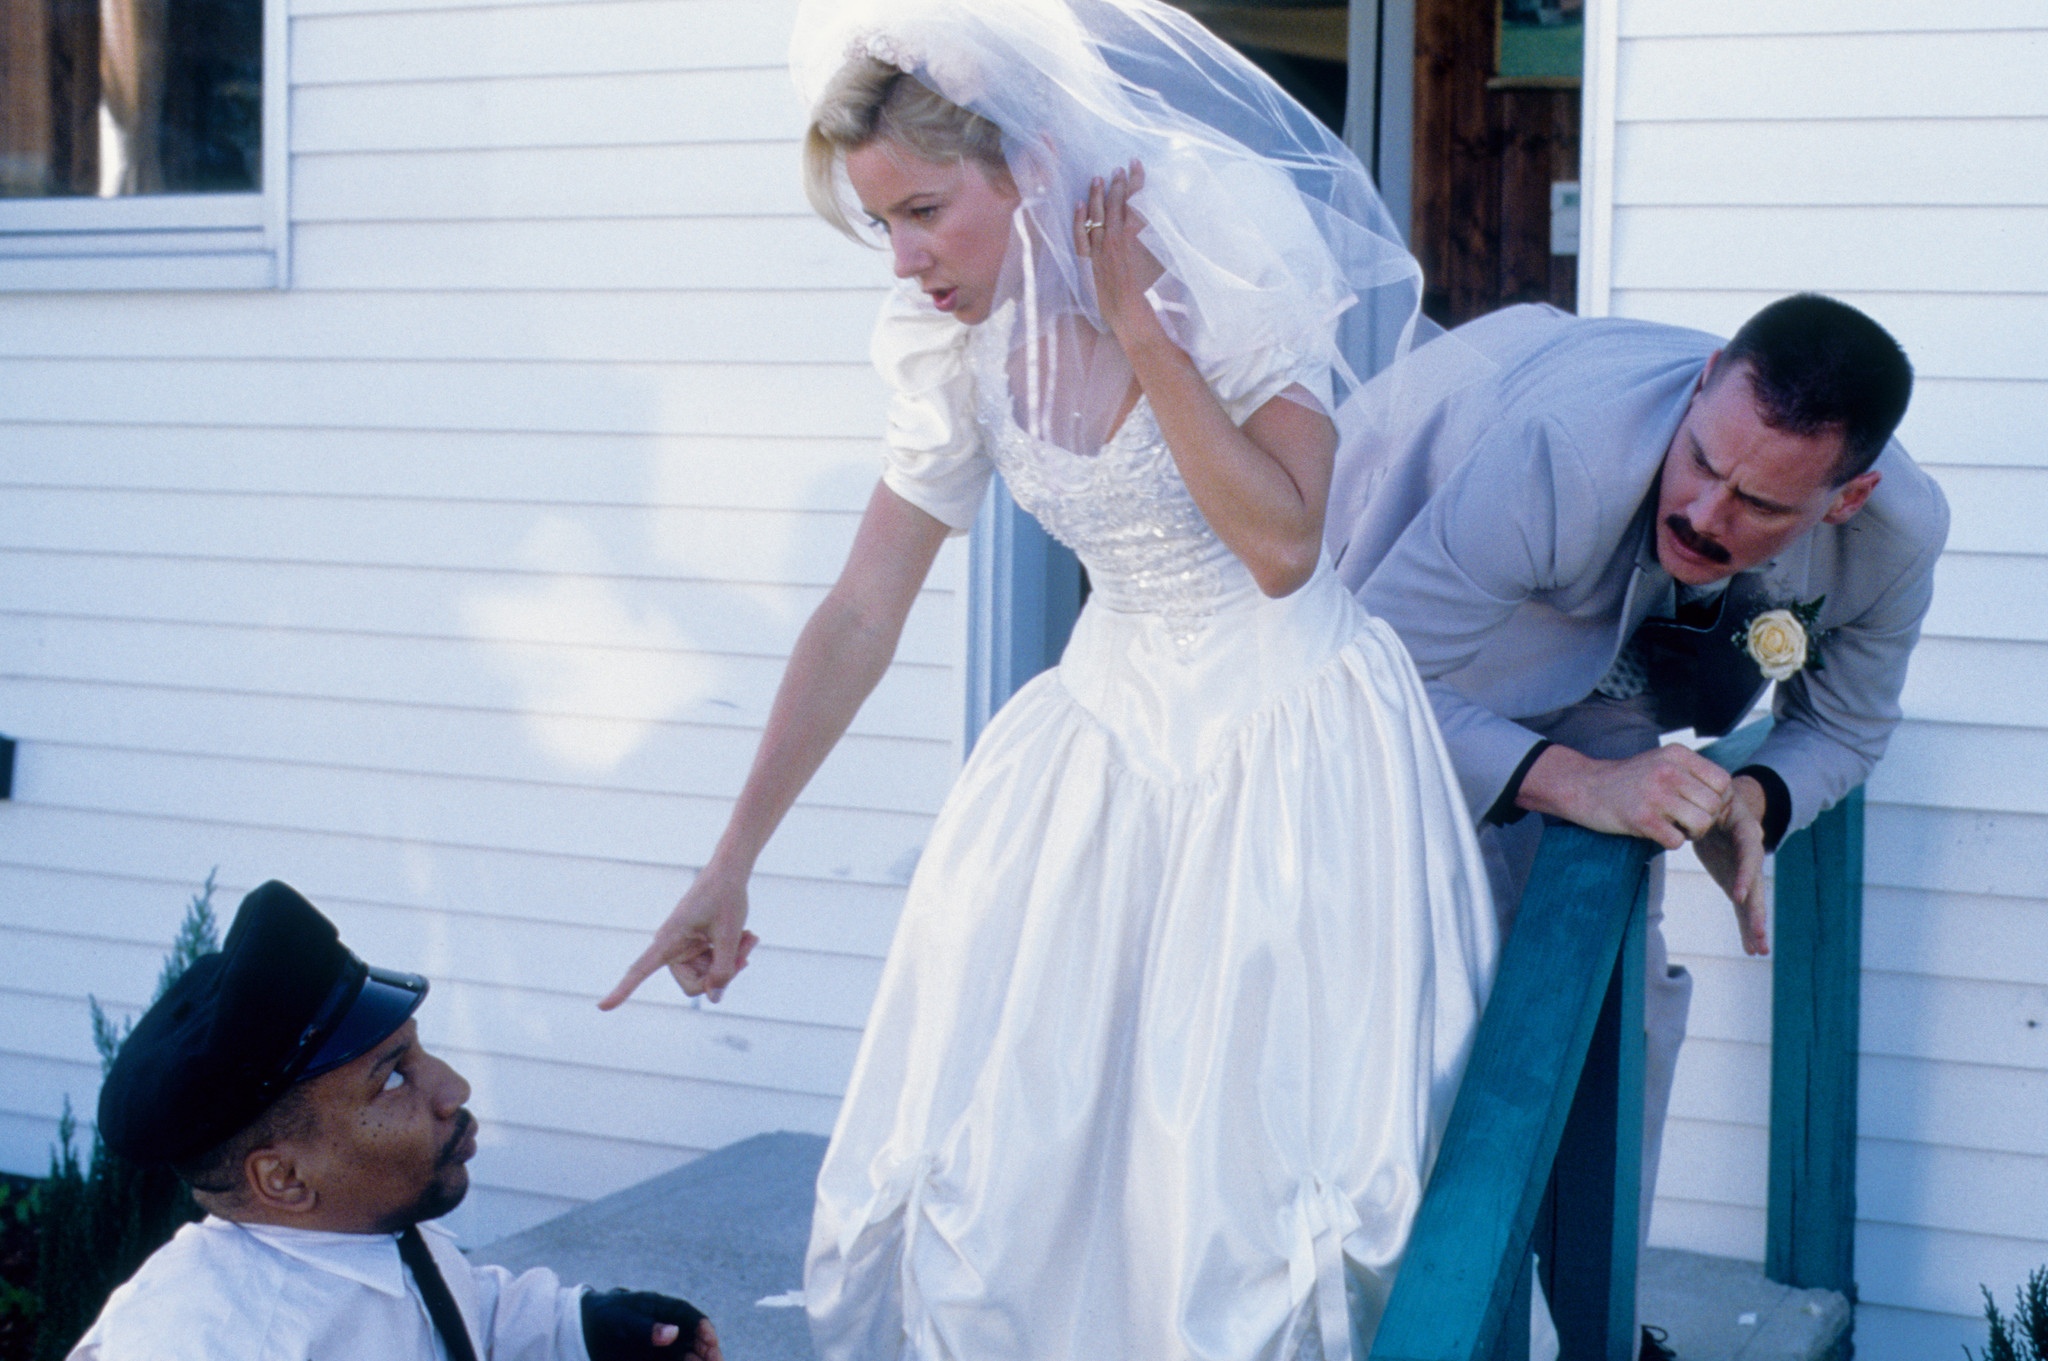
(1189, 968)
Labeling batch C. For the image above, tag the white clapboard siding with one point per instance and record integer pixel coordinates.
(1680, 18)
(522, 538)
(1834, 75)
(1990, 595)
(1906, 162)
(721, 180)
(1831, 248)
(494, 548)
(1888, 152)
(2004, 685)
(707, 327)
(593, 37)
(757, 252)
(1977, 421)
(441, 810)
(452, 583)
(635, 469)
(92, 850)
(800, 400)
(649, 108)
(566, 750)
(408, 600)
(610, 682)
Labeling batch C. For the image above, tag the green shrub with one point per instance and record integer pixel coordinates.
(96, 1221)
(2024, 1336)
(18, 1306)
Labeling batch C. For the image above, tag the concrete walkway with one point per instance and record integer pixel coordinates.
(727, 1232)
(724, 1232)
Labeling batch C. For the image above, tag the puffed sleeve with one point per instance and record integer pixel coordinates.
(933, 456)
(1246, 382)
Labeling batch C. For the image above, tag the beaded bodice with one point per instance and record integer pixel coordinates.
(1123, 509)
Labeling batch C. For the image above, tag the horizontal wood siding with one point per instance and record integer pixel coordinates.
(1889, 153)
(452, 585)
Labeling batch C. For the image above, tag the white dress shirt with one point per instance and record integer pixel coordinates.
(221, 1291)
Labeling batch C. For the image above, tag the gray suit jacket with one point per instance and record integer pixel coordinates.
(1500, 515)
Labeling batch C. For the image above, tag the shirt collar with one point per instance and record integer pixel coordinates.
(368, 1259)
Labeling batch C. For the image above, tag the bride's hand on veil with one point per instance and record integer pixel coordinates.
(704, 942)
(1106, 231)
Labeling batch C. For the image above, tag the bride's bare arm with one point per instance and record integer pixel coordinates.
(1262, 488)
(838, 659)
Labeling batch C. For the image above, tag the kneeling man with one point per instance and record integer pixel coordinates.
(284, 1081)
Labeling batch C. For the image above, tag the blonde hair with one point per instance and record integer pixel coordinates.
(869, 99)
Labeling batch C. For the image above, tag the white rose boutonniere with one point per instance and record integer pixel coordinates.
(1780, 640)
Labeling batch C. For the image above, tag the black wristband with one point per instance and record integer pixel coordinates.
(1777, 803)
(618, 1325)
(1504, 810)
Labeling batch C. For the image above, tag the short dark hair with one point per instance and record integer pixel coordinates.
(218, 1171)
(1817, 364)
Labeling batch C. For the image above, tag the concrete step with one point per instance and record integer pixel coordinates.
(1719, 1309)
(727, 1232)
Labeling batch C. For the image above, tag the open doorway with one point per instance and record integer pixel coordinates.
(1496, 153)
(1467, 114)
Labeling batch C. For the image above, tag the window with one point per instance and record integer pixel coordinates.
(142, 144)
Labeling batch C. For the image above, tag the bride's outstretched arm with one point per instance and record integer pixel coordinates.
(839, 658)
(1262, 488)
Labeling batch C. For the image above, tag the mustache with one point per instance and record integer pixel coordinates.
(464, 1122)
(1682, 530)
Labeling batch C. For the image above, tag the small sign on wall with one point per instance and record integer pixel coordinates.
(1540, 42)
(1564, 217)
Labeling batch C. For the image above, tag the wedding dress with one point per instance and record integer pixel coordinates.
(1190, 966)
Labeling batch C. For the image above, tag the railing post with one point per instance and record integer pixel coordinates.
(1596, 1182)
(1463, 1288)
(1815, 996)
(1512, 1342)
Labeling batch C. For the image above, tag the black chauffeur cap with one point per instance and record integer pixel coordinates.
(282, 1001)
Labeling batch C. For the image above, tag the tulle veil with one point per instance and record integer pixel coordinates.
(1272, 237)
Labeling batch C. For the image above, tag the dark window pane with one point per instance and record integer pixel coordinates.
(213, 97)
(130, 96)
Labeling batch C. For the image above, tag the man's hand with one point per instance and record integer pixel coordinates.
(1671, 795)
(1733, 852)
(639, 1325)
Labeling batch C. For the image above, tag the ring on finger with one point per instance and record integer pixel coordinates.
(1093, 224)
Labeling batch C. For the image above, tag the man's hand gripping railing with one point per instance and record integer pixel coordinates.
(1544, 1145)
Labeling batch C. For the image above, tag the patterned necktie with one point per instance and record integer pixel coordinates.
(1627, 677)
(1692, 606)
(412, 1250)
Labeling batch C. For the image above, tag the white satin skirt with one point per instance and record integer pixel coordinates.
(1175, 1011)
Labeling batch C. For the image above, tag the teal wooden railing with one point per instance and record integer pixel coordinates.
(1544, 1144)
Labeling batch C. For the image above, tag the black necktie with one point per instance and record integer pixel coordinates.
(412, 1250)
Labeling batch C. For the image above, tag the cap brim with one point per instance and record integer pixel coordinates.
(386, 999)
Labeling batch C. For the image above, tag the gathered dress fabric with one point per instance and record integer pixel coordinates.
(1189, 968)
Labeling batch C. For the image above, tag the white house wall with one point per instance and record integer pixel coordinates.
(1896, 155)
(452, 584)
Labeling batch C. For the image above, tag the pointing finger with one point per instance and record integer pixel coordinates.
(650, 960)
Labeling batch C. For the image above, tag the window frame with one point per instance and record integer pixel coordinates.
(165, 241)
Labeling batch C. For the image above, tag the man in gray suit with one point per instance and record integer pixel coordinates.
(1590, 532)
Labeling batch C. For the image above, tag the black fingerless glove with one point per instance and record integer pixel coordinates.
(618, 1325)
